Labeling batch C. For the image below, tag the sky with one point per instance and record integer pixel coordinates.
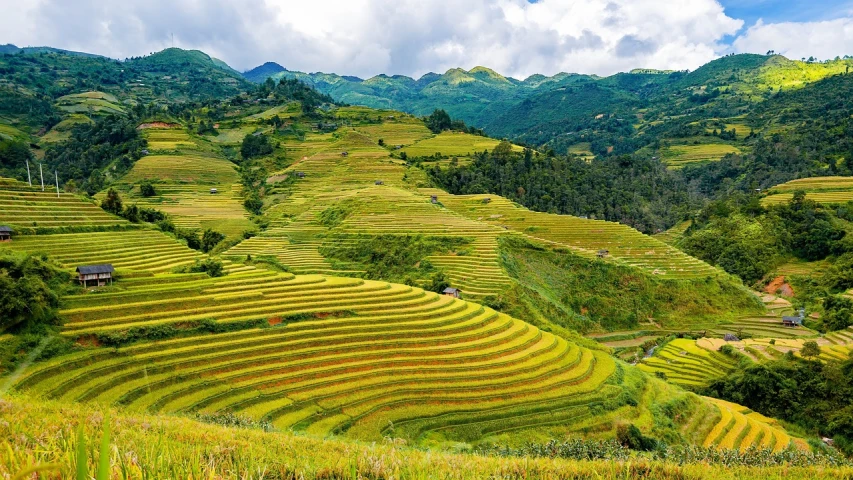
(411, 37)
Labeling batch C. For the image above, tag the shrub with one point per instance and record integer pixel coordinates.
(30, 289)
(210, 266)
(630, 436)
(210, 239)
(146, 189)
(255, 146)
(810, 349)
(112, 202)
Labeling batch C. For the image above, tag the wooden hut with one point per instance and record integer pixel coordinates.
(100, 275)
(344, 154)
(487, 200)
(5, 233)
(603, 253)
(379, 182)
(451, 292)
(433, 198)
(213, 191)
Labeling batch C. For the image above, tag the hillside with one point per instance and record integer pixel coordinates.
(287, 264)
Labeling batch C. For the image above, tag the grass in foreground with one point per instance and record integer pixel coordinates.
(34, 433)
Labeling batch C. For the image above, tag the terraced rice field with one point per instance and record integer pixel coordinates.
(686, 364)
(168, 139)
(397, 133)
(740, 428)
(183, 184)
(138, 250)
(300, 258)
(828, 190)
(585, 237)
(770, 327)
(26, 208)
(90, 102)
(452, 144)
(373, 358)
(678, 156)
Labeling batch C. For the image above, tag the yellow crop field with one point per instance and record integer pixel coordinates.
(677, 156)
(29, 208)
(396, 133)
(452, 144)
(829, 190)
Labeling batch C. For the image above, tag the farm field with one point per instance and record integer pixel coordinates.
(693, 363)
(90, 103)
(356, 363)
(183, 186)
(452, 144)
(356, 358)
(677, 156)
(128, 251)
(585, 237)
(168, 139)
(829, 190)
(168, 446)
(397, 133)
(29, 209)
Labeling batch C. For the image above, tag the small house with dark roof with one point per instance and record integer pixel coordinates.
(344, 154)
(379, 182)
(5, 233)
(213, 191)
(603, 253)
(794, 321)
(451, 292)
(300, 174)
(97, 275)
(487, 200)
(433, 198)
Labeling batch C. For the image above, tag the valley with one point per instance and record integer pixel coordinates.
(349, 281)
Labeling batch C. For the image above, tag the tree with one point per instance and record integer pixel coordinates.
(838, 312)
(438, 121)
(255, 146)
(210, 239)
(112, 202)
(146, 189)
(30, 289)
(810, 349)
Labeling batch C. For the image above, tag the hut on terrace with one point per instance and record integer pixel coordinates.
(379, 182)
(100, 275)
(5, 233)
(451, 292)
(603, 253)
(213, 191)
(344, 154)
(794, 321)
(433, 198)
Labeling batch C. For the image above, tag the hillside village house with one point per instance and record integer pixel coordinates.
(794, 321)
(5, 233)
(451, 292)
(97, 275)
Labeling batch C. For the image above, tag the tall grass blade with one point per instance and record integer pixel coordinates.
(104, 458)
(82, 457)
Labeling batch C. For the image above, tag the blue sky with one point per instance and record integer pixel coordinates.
(774, 11)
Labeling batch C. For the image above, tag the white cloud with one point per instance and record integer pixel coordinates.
(367, 37)
(823, 40)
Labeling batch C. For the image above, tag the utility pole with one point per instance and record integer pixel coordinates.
(29, 179)
(41, 174)
(56, 176)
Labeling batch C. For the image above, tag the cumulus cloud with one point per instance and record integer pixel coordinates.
(367, 37)
(823, 39)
